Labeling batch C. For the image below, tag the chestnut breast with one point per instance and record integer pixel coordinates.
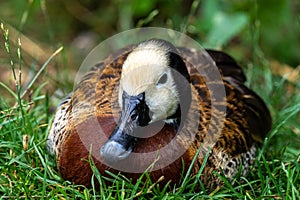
(73, 162)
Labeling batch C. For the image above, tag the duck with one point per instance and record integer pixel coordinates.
(163, 109)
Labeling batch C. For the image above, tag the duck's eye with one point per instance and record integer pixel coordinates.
(163, 79)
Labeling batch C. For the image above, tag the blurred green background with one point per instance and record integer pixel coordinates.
(231, 25)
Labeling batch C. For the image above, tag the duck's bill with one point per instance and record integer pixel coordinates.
(118, 146)
(135, 113)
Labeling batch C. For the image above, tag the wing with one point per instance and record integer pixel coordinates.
(227, 65)
(257, 113)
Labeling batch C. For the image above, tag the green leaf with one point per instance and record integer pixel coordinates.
(224, 28)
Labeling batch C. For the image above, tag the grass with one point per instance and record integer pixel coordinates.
(28, 171)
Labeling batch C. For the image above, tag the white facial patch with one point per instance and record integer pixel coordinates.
(142, 68)
(141, 72)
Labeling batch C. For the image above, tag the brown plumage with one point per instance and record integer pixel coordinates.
(94, 102)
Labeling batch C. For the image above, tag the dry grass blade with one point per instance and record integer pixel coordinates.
(29, 46)
(283, 70)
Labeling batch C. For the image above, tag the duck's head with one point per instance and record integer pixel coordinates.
(153, 85)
